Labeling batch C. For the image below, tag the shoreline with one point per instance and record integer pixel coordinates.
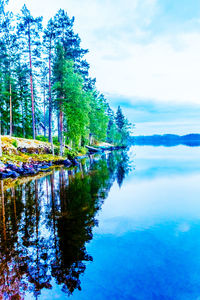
(28, 162)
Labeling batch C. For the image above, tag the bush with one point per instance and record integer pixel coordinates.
(70, 153)
(42, 138)
(56, 150)
(55, 141)
(82, 150)
(14, 143)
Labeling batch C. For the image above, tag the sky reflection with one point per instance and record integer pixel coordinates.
(163, 185)
(147, 244)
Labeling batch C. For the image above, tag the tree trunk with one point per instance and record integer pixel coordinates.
(44, 109)
(0, 137)
(23, 125)
(90, 139)
(50, 99)
(50, 103)
(31, 82)
(11, 125)
(53, 213)
(58, 125)
(3, 212)
(37, 231)
(61, 129)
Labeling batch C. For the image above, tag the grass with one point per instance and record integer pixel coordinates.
(14, 143)
(27, 157)
(10, 146)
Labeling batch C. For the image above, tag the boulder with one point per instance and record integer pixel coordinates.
(15, 168)
(65, 162)
(75, 162)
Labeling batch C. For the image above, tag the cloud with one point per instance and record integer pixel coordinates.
(157, 117)
(166, 69)
(145, 49)
(129, 56)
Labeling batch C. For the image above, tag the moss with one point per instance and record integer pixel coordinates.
(28, 157)
(14, 143)
(42, 138)
(12, 154)
(82, 150)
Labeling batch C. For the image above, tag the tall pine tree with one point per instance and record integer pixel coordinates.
(29, 28)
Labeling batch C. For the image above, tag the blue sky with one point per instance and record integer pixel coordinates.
(141, 51)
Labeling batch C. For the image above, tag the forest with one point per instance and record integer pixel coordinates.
(46, 91)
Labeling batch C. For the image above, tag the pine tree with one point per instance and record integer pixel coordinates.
(98, 117)
(29, 28)
(122, 126)
(34, 89)
(10, 57)
(120, 119)
(48, 40)
(59, 76)
(22, 73)
(44, 91)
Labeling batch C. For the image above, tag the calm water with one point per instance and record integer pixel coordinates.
(126, 226)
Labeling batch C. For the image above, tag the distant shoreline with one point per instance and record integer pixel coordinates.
(168, 140)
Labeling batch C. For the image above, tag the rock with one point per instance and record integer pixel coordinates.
(23, 150)
(75, 162)
(67, 163)
(11, 173)
(15, 168)
(4, 175)
(33, 146)
(44, 168)
(28, 170)
(93, 150)
(31, 168)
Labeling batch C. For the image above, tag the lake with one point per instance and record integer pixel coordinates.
(122, 226)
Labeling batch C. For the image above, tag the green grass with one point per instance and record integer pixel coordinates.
(14, 143)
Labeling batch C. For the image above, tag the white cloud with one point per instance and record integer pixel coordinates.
(159, 70)
(126, 56)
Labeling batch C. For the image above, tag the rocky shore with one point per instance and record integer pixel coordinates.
(24, 157)
(12, 170)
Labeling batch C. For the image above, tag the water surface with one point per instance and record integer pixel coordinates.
(125, 226)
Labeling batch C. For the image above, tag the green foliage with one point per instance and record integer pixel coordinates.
(123, 127)
(42, 138)
(71, 99)
(82, 150)
(56, 150)
(118, 129)
(82, 113)
(70, 153)
(55, 141)
(14, 143)
(98, 117)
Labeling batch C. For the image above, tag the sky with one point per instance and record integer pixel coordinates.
(145, 55)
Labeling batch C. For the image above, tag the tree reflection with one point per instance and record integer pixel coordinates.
(119, 162)
(46, 223)
(12, 262)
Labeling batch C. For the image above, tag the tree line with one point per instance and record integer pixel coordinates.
(45, 84)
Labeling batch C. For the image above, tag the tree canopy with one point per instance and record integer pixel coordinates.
(45, 86)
